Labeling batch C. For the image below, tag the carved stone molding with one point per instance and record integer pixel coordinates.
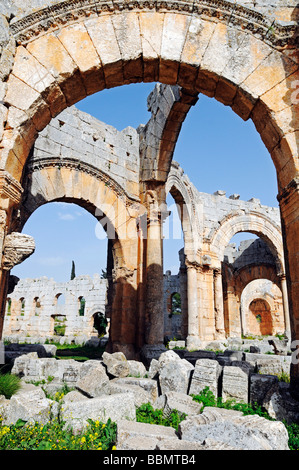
(10, 188)
(74, 164)
(56, 16)
(17, 248)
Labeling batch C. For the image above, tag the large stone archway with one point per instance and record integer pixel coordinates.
(58, 55)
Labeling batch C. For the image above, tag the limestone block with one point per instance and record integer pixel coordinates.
(78, 43)
(73, 396)
(174, 377)
(141, 396)
(129, 431)
(116, 364)
(206, 374)
(260, 384)
(232, 428)
(272, 366)
(149, 385)
(102, 33)
(180, 402)
(235, 383)
(136, 369)
(95, 381)
(31, 406)
(117, 407)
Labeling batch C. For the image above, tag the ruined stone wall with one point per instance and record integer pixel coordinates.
(38, 319)
(75, 139)
(262, 308)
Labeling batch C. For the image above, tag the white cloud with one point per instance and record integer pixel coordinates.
(66, 216)
(51, 261)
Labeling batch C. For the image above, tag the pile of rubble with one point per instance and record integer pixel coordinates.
(115, 387)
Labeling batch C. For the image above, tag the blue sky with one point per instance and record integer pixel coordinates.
(216, 148)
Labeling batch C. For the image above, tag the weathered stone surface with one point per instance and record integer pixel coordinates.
(30, 406)
(206, 374)
(280, 405)
(232, 428)
(136, 369)
(149, 385)
(17, 248)
(94, 382)
(128, 432)
(259, 386)
(116, 364)
(235, 383)
(174, 377)
(116, 407)
(179, 402)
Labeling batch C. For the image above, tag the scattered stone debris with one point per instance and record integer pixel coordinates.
(105, 388)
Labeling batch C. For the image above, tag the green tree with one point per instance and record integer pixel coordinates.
(73, 274)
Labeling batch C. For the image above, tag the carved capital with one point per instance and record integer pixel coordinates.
(10, 190)
(17, 247)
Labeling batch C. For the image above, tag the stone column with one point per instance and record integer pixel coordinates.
(218, 305)
(154, 272)
(10, 196)
(193, 338)
(289, 208)
(285, 302)
(153, 198)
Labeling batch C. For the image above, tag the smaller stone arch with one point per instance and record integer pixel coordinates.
(260, 318)
(261, 308)
(81, 306)
(37, 306)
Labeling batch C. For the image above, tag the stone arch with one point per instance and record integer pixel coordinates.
(253, 222)
(178, 185)
(261, 308)
(208, 55)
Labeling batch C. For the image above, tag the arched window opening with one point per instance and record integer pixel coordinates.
(100, 323)
(22, 306)
(8, 306)
(37, 306)
(176, 307)
(82, 302)
(260, 319)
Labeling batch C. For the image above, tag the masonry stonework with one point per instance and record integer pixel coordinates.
(244, 54)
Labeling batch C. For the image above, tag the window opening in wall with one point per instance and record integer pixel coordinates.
(8, 306)
(81, 306)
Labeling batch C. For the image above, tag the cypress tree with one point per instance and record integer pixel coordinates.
(73, 274)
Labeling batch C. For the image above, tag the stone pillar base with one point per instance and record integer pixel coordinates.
(151, 351)
(193, 343)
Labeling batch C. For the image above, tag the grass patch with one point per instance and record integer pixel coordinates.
(54, 436)
(79, 353)
(147, 414)
(9, 385)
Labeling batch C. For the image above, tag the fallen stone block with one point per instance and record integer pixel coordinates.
(140, 395)
(235, 383)
(259, 387)
(280, 405)
(234, 429)
(131, 435)
(94, 380)
(206, 374)
(116, 364)
(149, 385)
(136, 369)
(180, 402)
(30, 406)
(116, 407)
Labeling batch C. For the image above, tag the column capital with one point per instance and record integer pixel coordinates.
(10, 190)
(17, 247)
